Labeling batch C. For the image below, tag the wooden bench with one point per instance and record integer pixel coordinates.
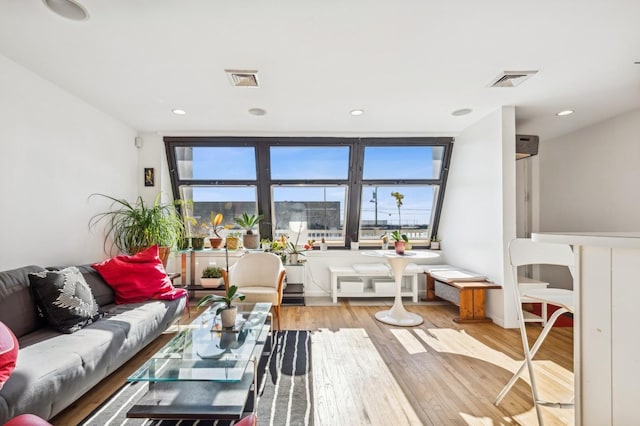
(469, 296)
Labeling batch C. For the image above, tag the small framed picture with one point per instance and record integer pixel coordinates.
(149, 176)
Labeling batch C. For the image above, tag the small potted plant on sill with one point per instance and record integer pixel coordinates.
(400, 241)
(216, 223)
(323, 245)
(385, 241)
(227, 311)
(211, 277)
(198, 231)
(233, 240)
(355, 245)
(435, 243)
(246, 221)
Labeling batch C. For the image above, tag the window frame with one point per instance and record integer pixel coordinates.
(354, 181)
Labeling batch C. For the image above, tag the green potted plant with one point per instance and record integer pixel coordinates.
(211, 277)
(400, 241)
(246, 221)
(435, 243)
(133, 227)
(233, 240)
(198, 231)
(226, 310)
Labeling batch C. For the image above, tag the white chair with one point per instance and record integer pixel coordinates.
(527, 252)
(259, 276)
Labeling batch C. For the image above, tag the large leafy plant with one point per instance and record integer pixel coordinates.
(227, 299)
(135, 226)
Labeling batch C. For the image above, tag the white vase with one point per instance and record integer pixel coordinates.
(323, 246)
(228, 317)
(293, 258)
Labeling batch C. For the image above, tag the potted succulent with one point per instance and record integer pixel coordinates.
(226, 310)
(246, 221)
(400, 241)
(133, 227)
(211, 277)
(323, 244)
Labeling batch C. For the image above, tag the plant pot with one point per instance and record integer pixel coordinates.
(232, 243)
(324, 246)
(355, 245)
(183, 243)
(163, 254)
(216, 242)
(251, 241)
(399, 247)
(197, 243)
(293, 258)
(210, 282)
(435, 245)
(228, 317)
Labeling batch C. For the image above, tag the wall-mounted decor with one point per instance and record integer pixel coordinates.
(149, 176)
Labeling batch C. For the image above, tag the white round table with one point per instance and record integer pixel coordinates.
(398, 315)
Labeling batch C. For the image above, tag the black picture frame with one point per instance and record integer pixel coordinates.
(149, 176)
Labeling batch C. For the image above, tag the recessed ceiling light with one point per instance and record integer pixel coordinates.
(179, 112)
(69, 9)
(257, 111)
(463, 111)
(565, 112)
(356, 112)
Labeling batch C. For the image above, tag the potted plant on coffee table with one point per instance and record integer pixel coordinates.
(246, 221)
(133, 227)
(211, 277)
(226, 310)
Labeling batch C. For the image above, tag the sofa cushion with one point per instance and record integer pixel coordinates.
(103, 294)
(17, 309)
(8, 353)
(138, 278)
(64, 299)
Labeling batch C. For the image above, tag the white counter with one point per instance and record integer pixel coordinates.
(606, 329)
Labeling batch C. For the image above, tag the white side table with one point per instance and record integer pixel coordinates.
(398, 315)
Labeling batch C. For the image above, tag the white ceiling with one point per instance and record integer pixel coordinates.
(408, 64)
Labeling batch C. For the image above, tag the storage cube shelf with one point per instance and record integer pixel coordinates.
(371, 280)
(384, 286)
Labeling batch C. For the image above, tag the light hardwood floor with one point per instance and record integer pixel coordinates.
(438, 373)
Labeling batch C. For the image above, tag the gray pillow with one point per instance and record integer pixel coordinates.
(64, 299)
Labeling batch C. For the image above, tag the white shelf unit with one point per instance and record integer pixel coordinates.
(368, 273)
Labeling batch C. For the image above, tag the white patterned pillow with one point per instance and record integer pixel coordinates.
(64, 299)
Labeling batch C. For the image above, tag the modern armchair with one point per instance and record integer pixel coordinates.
(260, 277)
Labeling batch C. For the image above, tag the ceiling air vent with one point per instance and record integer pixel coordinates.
(511, 78)
(243, 78)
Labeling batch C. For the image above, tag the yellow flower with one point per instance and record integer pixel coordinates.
(398, 196)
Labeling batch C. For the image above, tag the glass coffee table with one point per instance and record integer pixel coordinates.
(205, 371)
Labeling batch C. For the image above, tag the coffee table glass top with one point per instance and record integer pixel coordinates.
(204, 351)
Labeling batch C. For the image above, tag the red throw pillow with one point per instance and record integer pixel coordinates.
(138, 278)
(8, 353)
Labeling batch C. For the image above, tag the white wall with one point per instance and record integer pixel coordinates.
(479, 211)
(588, 181)
(55, 150)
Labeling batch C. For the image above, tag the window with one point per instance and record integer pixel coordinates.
(338, 189)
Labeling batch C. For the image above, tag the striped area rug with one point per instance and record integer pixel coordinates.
(285, 391)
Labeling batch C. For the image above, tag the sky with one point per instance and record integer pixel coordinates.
(309, 163)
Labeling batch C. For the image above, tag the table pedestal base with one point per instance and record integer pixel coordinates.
(399, 316)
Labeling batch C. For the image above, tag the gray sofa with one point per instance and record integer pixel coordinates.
(55, 369)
